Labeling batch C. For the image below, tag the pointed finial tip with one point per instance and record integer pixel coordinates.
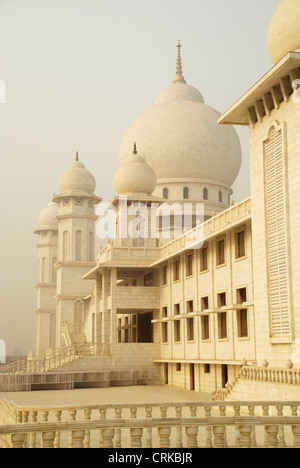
(179, 76)
(77, 156)
(134, 148)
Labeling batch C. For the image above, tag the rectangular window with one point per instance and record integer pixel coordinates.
(176, 309)
(164, 332)
(177, 331)
(148, 280)
(222, 325)
(205, 327)
(164, 313)
(189, 265)
(241, 295)
(220, 246)
(204, 303)
(176, 270)
(240, 250)
(190, 307)
(242, 323)
(165, 275)
(206, 368)
(178, 367)
(221, 299)
(190, 329)
(203, 259)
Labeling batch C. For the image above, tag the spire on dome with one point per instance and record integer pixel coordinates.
(77, 156)
(134, 148)
(179, 77)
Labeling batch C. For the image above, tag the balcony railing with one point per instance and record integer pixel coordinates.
(57, 358)
(164, 425)
(260, 374)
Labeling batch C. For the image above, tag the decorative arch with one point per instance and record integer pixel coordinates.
(277, 230)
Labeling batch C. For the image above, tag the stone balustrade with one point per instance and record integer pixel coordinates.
(210, 228)
(287, 376)
(56, 359)
(164, 425)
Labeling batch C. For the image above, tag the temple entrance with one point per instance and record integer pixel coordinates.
(145, 328)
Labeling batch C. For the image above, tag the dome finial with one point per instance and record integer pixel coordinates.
(179, 77)
(77, 156)
(134, 148)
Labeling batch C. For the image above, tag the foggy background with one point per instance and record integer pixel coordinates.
(77, 73)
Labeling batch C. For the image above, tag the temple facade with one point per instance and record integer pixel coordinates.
(190, 286)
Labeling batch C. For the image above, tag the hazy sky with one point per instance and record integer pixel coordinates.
(77, 73)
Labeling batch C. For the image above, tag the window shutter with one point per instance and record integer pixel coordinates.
(277, 234)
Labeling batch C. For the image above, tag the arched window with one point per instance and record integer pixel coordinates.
(78, 245)
(92, 247)
(44, 270)
(185, 193)
(52, 331)
(166, 193)
(65, 249)
(54, 272)
(78, 316)
(205, 194)
(220, 196)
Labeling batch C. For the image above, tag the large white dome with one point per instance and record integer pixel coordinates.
(180, 138)
(284, 30)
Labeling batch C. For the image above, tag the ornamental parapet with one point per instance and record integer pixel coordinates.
(162, 425)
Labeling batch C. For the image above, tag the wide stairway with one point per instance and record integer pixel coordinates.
(79, 366)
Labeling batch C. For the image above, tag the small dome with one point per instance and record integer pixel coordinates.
(179, 92)
(135, 176)
(284, 30)
(47, 217)
(77, 179)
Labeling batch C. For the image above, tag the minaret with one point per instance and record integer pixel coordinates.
(76, 247)
(46, 285)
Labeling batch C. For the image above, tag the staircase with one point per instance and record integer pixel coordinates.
(79, 366)
(259, 383)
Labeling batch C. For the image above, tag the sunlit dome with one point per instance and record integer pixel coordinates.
(181, 139)
(47, 217)
(284, 30)
(135, 176)
(77, 179)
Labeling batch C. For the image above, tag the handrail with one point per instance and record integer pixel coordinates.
(57, 359)
(207, 424)
(260, 374)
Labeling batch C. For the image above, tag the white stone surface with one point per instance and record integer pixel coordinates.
(181, 139)
(284, 30)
